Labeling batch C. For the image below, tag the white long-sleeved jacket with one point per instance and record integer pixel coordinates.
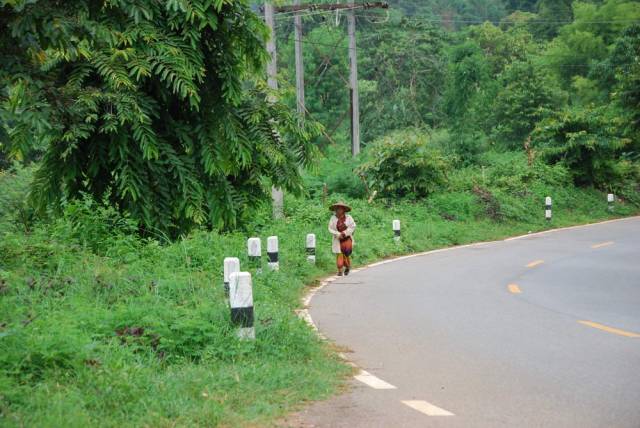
(333, 224)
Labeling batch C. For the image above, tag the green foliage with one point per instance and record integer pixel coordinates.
(14, 210)
(500, 47)
(466, 86)
(583, 43)
(404, 164)
(154, 104)
(405, 88)
(464, 146)
(523, 5)
(625, 63)
(587, 142)
(552, 15)
(336, 170)
(151, 115)
(453, 13)
(527, 95)
(326, 68)
(96, 226)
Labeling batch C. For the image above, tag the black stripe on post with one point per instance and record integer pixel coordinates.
(311, 251)
(396, 233)
(273, 257)
(242, 317)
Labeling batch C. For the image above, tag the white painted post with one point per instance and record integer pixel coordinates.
(311, 248)
(231, 265)
(611, 198)
(547, 208)
(396, 230)
(241, 302)
(254, 249)
(272, 253)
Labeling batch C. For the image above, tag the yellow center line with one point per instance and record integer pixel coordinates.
(535, 263)
(514, 289)
(610, 329)
(602, 244)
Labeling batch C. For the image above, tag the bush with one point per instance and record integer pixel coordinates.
(462, 145)
(14, 209)
(336, 170)
(404, 164)
(96, 226)
(587, 143)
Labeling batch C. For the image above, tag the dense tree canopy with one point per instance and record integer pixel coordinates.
(155, 106)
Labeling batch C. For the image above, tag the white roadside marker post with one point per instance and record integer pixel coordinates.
(311, 248)
(272, 253)
(241, 302)
(547, 208)
(396, 230)
(231, 265)
(611, 198)
(254, 249)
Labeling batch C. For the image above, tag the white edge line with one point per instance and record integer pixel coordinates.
(544, 232)
(372, 381)
(427, 408)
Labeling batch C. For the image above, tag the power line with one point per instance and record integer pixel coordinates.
(310, 10)
(504, 21)
(331, 7)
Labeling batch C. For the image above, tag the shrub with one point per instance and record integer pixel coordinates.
(463, 145)
(336, 170)
(14, 209)
(587, 143)
(96, 226)
(160, 104)
(526, 96)
(404, 164)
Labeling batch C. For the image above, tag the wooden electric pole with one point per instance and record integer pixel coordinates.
(277, 195)
(297, 21)
(353, 82)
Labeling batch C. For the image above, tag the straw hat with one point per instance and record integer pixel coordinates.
(346, 207)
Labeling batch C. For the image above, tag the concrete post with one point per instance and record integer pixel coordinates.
(396, 230)
(254, 249)
(611, 198)
(272, 253)
(231, 265)
(311, 248)
(547, 208)
(241, 302)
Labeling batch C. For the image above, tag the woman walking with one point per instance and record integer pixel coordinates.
(342, 226)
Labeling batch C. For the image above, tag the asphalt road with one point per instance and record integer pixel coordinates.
(542, 331)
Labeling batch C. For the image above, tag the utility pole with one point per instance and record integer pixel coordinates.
(297, 21)
(351, 6)
(277, 196)
(353, 80)
(272, 65)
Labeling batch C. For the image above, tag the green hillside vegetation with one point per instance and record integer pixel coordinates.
(139, 144)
